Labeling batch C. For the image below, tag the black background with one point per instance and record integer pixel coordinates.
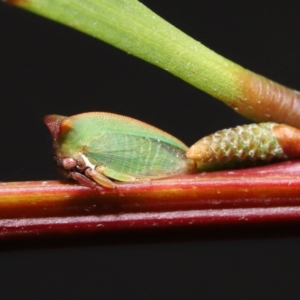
(48, 68)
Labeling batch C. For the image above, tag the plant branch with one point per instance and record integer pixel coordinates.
(191, 203)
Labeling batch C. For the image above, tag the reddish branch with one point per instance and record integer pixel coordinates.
(253, 200)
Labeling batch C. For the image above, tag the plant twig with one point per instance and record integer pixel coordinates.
(248, 198)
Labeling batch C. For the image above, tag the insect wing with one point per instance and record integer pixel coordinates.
(136, 155)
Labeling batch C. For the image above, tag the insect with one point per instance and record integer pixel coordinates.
(96, 148)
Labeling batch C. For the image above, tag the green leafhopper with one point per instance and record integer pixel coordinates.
(93, 148)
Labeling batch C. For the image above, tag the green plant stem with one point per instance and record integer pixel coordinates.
(132, 27)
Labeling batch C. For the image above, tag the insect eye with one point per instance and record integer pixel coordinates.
(69, 163)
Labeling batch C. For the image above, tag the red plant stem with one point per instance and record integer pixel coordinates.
(259, 196)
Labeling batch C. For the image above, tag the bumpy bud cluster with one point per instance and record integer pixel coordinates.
(254, 142)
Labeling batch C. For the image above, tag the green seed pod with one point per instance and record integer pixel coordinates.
(246, 145)
(93, 148)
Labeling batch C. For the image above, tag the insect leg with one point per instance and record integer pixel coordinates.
(99, 178)
(116, 174)
(84, 180)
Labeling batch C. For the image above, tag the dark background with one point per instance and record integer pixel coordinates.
(48, 68)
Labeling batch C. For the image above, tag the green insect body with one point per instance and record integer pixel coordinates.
(93, 148)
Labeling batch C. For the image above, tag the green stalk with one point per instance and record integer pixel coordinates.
(132, 27)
